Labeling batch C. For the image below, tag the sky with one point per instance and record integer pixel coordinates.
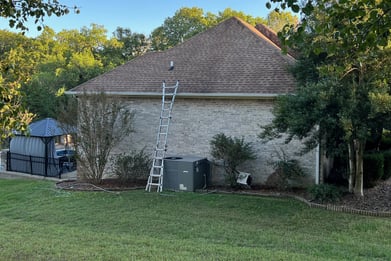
(141, 16)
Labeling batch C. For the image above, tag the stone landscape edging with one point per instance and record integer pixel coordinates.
(330, 207)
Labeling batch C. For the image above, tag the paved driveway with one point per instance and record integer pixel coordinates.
(18, 175)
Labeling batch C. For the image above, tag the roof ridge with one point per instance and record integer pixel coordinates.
(242, 22)
(266, 33)
(273, 36)
(257, 32)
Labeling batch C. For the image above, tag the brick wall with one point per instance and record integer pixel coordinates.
(195, 121)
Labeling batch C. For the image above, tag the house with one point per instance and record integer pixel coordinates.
(229, 77)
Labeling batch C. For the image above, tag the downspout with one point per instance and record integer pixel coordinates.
(317, 160)
(317, 166)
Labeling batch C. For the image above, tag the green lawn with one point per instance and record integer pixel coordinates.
(39, 222)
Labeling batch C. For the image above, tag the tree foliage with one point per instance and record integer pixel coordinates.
(184, 24)
(346, 95)
(278, 20)
(17, 62)
(228, 13)
(188, 22)
(133, 44)
(357, 24)
(62, 61)
(13, 72)
(19, 11)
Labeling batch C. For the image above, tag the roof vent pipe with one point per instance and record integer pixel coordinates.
(171, 66)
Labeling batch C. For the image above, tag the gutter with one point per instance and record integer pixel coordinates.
(255, 96)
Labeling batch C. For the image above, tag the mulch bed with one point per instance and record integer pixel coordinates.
(375, 200)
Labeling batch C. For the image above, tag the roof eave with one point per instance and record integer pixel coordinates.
(185, 95)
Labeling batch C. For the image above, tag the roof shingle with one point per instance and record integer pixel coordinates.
(231, 58)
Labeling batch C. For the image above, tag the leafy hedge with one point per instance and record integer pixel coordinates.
(373, 168)
(130, 167)
(325, 193)
(387, 164)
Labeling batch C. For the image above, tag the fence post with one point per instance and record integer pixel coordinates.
(8, 161)
(31, 165)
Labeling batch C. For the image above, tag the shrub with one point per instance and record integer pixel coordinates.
(285, 169)
(373, 168)
(387, 164)
(233, 152)
(130, 167)
(103, 122)
(325, 193)
(385, 143)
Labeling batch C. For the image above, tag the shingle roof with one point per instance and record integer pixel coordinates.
(230, 58)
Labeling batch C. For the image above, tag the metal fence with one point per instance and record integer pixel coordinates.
(50, 167)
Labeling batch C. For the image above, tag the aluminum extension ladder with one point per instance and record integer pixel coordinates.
(156, 174)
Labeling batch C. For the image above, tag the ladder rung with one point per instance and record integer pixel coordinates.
(158, 167)
(156, 175)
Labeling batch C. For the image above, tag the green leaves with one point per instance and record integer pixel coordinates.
(232, 151)
(359, 26)
(18, 12)
(278, 20)
(295, 8)
(188, 22)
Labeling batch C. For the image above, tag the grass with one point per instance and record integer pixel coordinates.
(38, 222)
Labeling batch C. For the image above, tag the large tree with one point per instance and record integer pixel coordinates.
(228, 13)
(16, 68)
(67, 58)
(184, 24)
(348, 94)
(278, 20)
(188, 22)
(133, 45)
(12, 72)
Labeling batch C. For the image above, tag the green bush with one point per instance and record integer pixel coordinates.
(385, 143)
(290, 168)
(325, 193)
(233, 152)
(387, 164)
(285, 169)
(373, 168)
(130, 167)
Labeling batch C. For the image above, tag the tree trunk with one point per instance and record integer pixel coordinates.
(356, 153)
(352, 166)
(358, 184)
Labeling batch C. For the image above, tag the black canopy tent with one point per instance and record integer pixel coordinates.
(38, 144)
